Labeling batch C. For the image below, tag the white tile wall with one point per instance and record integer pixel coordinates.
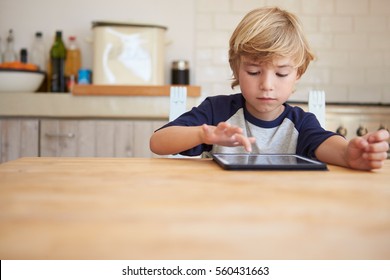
(351, 39)
(76, 17)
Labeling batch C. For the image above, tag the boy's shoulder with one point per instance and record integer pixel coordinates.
(237, 97)
(299, 116)
(295, 112)
(295, 108)
(224, 101)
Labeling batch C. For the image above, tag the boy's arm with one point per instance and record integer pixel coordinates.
(333, 151)
(364, 153)
(175, 139)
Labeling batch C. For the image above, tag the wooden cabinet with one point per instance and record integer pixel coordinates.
(76, 138)
(96, 138)
(18, 138)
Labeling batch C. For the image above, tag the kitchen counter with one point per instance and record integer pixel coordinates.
(181, 208)
(65, 105)
(96, 104)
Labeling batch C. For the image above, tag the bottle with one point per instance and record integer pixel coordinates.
(38, 52)
(180, 72)
(23, 56)
(9, 54)
(73, 62)
(57, 64)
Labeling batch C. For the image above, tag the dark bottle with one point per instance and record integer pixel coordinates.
(23, 56)
(57, 64)
(180, 73)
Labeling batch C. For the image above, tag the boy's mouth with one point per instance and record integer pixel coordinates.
(266, 98)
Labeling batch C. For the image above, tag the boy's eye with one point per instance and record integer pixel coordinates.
(255, 73)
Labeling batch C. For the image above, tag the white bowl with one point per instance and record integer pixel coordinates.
(12, 80)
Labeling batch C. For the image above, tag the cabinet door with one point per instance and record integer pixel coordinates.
(97, 138)
(86, 138)
(18, 138)
(60, 138)
(143, 129)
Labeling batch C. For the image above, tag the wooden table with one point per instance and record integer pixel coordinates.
(103, 208)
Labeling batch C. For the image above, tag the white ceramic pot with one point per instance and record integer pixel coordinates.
(128, 54)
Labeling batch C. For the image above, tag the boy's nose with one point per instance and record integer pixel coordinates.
(266, 81)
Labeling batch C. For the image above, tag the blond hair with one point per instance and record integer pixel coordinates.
(266, 33)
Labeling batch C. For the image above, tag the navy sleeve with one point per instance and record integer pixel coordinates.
(311, 135)
(196, 116)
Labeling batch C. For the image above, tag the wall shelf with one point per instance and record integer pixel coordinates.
(126, 90)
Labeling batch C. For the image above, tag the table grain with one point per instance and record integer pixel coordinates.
(182, 208)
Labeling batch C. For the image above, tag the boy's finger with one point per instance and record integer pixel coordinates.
(233, 130)
(378, 136)
(375, 156)
(359, 143)
(245, 142)
(223, 125)
(375, 147)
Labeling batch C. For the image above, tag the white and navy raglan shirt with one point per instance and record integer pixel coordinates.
(293, 132)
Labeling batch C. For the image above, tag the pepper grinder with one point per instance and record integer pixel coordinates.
(180, 72)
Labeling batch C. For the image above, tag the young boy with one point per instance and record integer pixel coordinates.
(268, 54)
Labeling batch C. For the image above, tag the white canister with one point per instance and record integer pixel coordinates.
(128, 54)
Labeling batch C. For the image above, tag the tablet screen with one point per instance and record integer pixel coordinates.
(267, 161)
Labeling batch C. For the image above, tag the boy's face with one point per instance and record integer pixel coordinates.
(266, 86)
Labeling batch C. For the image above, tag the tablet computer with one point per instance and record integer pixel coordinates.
(266, 162)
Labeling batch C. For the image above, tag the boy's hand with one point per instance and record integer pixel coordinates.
(368, 152)
(228, 135)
